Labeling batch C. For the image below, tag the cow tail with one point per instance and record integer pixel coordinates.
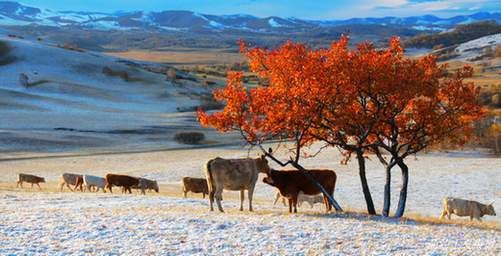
(210, 180)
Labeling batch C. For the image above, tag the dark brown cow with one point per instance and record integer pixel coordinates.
(195, 185)
(121, 181)
(21, 177)
(292, 182)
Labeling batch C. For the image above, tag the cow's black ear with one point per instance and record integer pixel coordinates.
(270, 150)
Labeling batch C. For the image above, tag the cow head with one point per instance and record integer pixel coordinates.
(269, 178)
(43, 180)
(490, 210)
(155, 186)
(262, 164)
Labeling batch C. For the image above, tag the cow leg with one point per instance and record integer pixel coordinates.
(277, 196)
(68, 185)
(19, 183)
(61, 184)
(211, 200)
(219, 192)
(38, 186)
(32, 185)
(310, 201)
(443, 214)
(242, 198)
(328, 205)
(251, 193)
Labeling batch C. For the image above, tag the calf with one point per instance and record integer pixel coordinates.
(300, 199)
(94, 181)
(291, 183)
(195, 185)
(21, 177)
(462, 207)
(69, 179)
(121, 181)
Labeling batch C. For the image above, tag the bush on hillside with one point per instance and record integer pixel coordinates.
(107, 71)
(190, 137)
(23, 79)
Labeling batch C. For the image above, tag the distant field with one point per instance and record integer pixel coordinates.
(176, 56)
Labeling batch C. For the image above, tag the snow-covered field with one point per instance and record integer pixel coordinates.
(34, 223)
(49, 222)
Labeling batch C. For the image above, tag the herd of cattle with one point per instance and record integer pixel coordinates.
(240, 175)
(88, 182)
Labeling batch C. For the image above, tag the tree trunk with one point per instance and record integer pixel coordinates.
(387, 190)
(403, 191)
(365, 186)
(308, 174)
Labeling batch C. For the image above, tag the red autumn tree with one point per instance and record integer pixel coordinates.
(359, 100)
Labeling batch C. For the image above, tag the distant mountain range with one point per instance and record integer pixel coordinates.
(12, 13)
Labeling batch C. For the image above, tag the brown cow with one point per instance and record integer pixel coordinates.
(79, 183)
(121, 181)
(293, 182)
(462, 207)
(69, 179)
(233, 174)
(21, 177)
(195, 185)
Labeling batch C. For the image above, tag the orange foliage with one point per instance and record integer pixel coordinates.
(333, 95)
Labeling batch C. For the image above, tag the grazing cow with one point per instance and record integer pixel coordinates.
(233, 174)
(195, 185)
(21, 177)
(121, 181)
(300, 199)
(462, 207)
(147, 184)
(69, 179)
(94, 181)
(292, 182)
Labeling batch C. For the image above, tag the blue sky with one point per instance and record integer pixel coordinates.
(302, 9)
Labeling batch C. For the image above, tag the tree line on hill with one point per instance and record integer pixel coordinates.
(461, 34)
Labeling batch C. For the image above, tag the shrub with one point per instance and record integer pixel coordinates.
(107, 71)
(190, 137)
(209, 103)
(124, 75)
(171, 75)
(23, 79)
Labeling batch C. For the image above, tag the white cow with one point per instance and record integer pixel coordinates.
(94, 181)
(233, 174)
(470, 208)
(68, 179)
(300, 199)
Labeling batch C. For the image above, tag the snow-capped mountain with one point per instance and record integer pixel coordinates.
(12, 13)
